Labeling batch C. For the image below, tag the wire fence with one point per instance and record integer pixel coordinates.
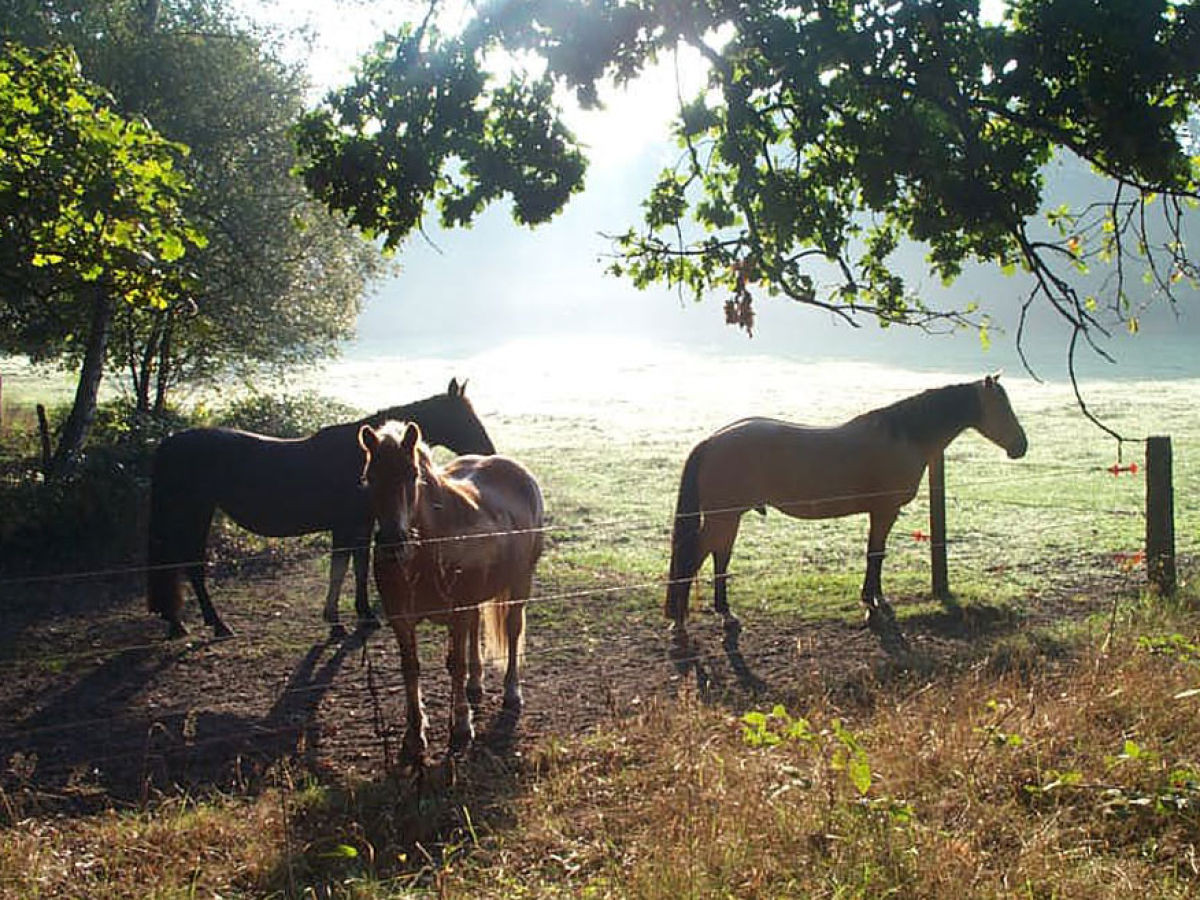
(561, 596)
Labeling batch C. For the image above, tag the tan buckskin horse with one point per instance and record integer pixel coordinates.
(456, 545)
(872, 464)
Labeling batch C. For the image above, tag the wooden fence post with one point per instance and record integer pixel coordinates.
(1160, 515)
(937, 527)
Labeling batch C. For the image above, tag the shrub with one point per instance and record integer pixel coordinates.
(295, 415)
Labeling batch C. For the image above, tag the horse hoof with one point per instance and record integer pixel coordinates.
(337, 631)
(880, 616)
(176, 630)
(513, 701)
(368, 622)
(222, 631)
(733, 625)
(413, 754)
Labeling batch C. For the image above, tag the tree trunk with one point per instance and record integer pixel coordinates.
(163, 380)
(83, 411)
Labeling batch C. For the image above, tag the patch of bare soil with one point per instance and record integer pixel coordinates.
(98, 709)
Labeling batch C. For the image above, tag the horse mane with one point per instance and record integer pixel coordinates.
(401, 413)
(430, 473)
(930, 413)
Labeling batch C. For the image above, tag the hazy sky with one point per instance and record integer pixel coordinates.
(500, 280)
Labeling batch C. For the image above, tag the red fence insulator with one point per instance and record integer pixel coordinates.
(1116, 469)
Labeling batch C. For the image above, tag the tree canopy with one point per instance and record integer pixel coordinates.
(86, 197)
(91, 215)
(281, 279)
(828, 132)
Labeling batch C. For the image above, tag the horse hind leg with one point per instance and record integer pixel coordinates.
(872, 589)
(514, 626)
(475, 661)
(721, 591)
(207, 610)
(504, 635)
(719, 533)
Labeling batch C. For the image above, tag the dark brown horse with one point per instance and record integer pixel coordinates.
(456, 545)
(872, 464)
(280, 488)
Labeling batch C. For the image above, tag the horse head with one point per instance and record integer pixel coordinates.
(392, 473)
(997, 421)
(455, 424)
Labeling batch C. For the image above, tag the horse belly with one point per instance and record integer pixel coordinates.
(286, 501)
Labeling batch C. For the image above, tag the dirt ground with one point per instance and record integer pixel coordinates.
(98, 709)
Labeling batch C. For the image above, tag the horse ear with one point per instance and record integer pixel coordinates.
(368, 439)
(454, 390)
(412, 434)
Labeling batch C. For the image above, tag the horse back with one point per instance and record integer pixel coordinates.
(807, 471)
(273, 486)
(508, 512)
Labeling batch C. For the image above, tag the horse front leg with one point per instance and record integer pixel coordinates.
(415, 745)
(462, 732)
(872, 590)
(338, 562)
(362, 570)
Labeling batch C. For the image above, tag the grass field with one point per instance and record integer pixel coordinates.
(1057, 759)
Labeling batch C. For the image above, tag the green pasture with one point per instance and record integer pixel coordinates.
(1063, 761)
(1055, 517)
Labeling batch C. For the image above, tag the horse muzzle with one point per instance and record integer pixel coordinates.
(1018, 448)
(395, 545)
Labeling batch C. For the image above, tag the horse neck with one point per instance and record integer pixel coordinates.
(420, 411)
(936, 417)
(440, 503)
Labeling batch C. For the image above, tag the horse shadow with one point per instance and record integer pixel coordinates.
(90, 745)
(729, 676)
(692, 661)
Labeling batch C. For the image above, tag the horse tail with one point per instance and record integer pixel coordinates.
(685, 537)
(494, 630)
(164, 595)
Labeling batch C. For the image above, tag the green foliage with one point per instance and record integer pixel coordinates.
(87, 197)
(424, 122)
(827, 134)
(91, 518)
(837, 743)
(294, 415)
(281, 279)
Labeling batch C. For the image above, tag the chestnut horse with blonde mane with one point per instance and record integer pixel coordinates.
(456, 545)
(872, 464)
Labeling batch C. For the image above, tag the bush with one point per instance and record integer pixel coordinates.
(95, 516)
(296, 415)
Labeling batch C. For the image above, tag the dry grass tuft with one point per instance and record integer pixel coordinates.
(1081, 778)
(1078, 775)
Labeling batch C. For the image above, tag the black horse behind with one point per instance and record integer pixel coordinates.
(280, 488)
